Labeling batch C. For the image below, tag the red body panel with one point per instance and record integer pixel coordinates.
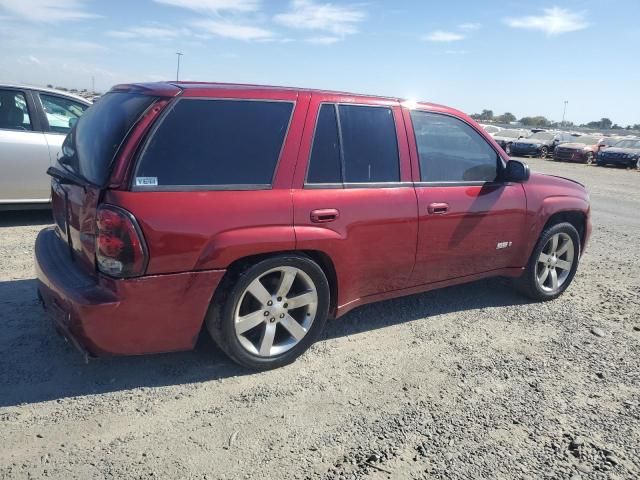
(385, 241)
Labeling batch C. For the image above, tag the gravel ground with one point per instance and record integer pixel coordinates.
(467, 382)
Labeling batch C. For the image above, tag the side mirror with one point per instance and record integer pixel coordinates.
(516, 171)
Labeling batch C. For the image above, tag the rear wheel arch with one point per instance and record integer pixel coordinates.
(324, 261)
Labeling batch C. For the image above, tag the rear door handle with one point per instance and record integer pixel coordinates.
(324, 215)
(438, 208)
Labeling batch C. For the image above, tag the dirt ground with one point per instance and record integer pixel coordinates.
(467, 382)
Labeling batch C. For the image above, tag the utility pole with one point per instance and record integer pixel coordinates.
(179, 54)
(564, 112)
(93, 84)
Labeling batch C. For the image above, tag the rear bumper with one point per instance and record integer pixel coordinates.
(103, 316)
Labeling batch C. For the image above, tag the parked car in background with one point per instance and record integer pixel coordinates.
(264, 228)
(540, 144)
(583, 149)
(33, 124)
(506, 137)
(490, 128)
(625, 152)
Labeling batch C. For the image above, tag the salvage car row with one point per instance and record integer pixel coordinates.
(592, 149)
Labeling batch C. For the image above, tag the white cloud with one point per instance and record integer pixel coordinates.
(323, 40)
(441, 36)
(215, 5)
(148, 32)
(46, 11)
(234, 30)
(469, 26)
(555, 21)
(35, 60)
(334, 19)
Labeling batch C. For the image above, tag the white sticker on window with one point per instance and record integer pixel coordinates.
(146, 181)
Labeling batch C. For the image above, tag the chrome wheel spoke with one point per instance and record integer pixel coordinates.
(247, 322)
(302, 300)
(563, 265)
(553, 246)
(544, 258)
(266, 341)
(286, 280)
(564, 248)
(554, 278)
(543, 276)
(296, 330)
(259, 291)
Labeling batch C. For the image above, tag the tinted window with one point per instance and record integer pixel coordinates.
(91, 145)
(217, 142)
(325, 164)
(14, 114)
(369, 144)
(452, 151)
(61, 112)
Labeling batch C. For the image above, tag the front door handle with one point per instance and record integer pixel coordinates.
(324, 215)
(438, 208)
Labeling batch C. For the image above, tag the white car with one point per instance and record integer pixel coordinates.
(491, 128)
(33, 124)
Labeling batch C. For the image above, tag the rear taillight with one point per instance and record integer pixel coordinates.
(120, 247)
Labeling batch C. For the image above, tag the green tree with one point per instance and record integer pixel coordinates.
(538, 121)
(506, 117)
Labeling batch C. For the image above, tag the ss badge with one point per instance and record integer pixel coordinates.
(502, 245)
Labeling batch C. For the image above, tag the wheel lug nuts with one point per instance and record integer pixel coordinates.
(279, 299)
(272, 319)
(269, 303)
(286, 305)
(266, 313)
(282, 315)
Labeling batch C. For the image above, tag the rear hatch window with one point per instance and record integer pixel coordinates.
(90, 147)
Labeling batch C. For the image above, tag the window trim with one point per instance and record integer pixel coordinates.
(205, 187)
(46, 127)
(501, 164)
(343, 184)
(33, 121)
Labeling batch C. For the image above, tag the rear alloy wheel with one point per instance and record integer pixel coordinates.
(507, 149)
(273, 313)
(553, 263)
(544, 151)
(590, 159)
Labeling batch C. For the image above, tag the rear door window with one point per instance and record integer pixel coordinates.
(62, 113)
(215, 143)
(452, 151)
(357, 146)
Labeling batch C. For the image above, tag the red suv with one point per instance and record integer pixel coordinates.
(262, 211)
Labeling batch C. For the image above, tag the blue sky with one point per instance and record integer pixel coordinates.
(526, 57)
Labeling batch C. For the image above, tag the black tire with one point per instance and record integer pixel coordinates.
(590, 159)
(220, 317)
(528, 284)
(544, 152)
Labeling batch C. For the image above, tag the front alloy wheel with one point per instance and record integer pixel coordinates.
(507, 149)
(590, 158)
(552, 264)
(544, 151)
(555, 262)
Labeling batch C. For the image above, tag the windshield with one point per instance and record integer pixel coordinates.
(509, 134)
(542, 136)
(586, 140)
(90, 147)
(628, 144)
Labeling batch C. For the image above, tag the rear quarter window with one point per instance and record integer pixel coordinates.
(213, 143)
